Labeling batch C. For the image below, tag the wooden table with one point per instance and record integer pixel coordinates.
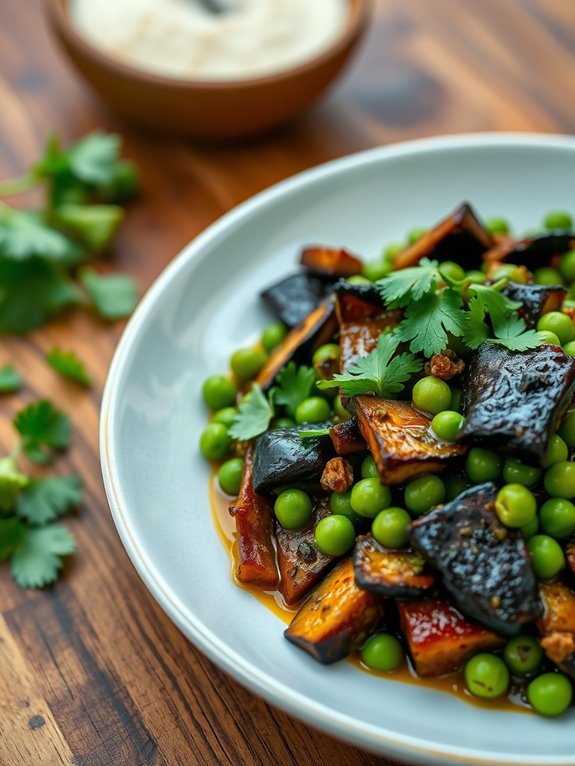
(91, 671)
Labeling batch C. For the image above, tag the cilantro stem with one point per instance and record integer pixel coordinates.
(13, 186)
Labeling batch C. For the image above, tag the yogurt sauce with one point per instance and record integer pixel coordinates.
(178, 38)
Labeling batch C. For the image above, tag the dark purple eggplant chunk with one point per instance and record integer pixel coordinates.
(283, 457)
(460, 237)
(347, 438)
(391, 574)
(296, 296)
(366, 293)
(484, 565)
(330, 261)
(536, 300)
(513, 401)
(534, 251)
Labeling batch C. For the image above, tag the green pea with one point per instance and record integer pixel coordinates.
(549, 338)
(483, 465)
(329, 352)
(377, 269)
(547, 276)
(567, 265)
(382, 652)
(515, 505)
(358, 279)
(454, 486)
(219, 391)
(530, 529)
(414, 235)
(215, 442)
(431, 394)
(282, 423)
(226, 416)
(390, 527)
(558, 219)
(550, 694)
(340, 410)
(497, 226)
(559, 323)
(486, 676)
(340, 505)
(547, 557)
(293, 509)
(247, 362)
(423, 493)
(523, 655)
(476, 277)
(515, 472)
(312, 410)
(569, 348)
(334, 535)
(511, 272)
(391, 251)
(369, 497)
(567, 429)
(369, 468)
(446, 425)
(273, 335)
(557, 451)
(230, 476)
(559, 480)
(557, 517)
(452, 270)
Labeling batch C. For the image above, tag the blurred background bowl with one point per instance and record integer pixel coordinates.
(201, 108)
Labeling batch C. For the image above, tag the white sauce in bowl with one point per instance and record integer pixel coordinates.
(178, 38)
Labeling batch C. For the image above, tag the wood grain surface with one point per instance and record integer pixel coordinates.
(91, 671)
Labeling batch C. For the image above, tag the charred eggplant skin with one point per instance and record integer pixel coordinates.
(296, 296)
(534, 251)
(484, 565)
(390, 574)
(536, 300)
(330, 261)
(283, 457)
(513, 401)
(347, 439)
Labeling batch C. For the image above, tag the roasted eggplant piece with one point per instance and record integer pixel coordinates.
(296, 296)
(300, 562)
(336, 618)
(390, 574)
(347, 439)
(253, 515)
(460, 237)
(536, 300)
(400, 439)
(570, 551)
(513, 401)
(440, 638)
(330, 261)
(315, 330)
(283, 457)
(534, 251)
(558, 608)
(485, 566)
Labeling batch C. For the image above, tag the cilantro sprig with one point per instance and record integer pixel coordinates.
(69, 365)
(254, 415)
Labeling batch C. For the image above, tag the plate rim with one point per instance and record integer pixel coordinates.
(375, 739)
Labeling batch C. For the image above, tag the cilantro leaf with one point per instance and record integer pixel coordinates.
(12, 482)
(10, 379)
(114, 296)
(406, 285)
(476, 330)
(45, 500)
(94, 225)
(521, 342)
(37, 559)
(93, 158)
(43, 428)
(12, 532)
(23, 235)
(254, 416)
(69, 365)
(294, 385)
(314, 433)
(501, 309)
(379, 372)
(428, 322)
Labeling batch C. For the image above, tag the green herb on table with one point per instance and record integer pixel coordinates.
(10, 379)
(67, 364)
(44, 429)
(113, 296)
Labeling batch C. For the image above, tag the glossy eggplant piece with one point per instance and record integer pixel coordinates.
(330, 261)
(317, 328)
(300, 562)
(513, 401)
(400, 439)
(336, 618)
(440, 639)
(362, 318)
(558, 602)
(485, 566)
(534, 251)
(390, 574)
(460, 237)
(253, 515)
(347, 439)
(560, 648)
(296, 296)
(282, 457)
(536, 300)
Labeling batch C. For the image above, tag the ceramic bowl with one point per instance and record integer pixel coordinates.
(202, 109)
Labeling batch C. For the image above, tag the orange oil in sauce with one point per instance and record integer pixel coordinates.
(272, 600)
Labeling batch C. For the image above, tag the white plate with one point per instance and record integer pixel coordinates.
(205, 305)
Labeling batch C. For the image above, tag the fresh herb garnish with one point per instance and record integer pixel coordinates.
(43, 429)
(380, 372)
(114, 296)
(67, 364)
(314, 433)
(10, 379)
(254, 416)
(294, 384)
